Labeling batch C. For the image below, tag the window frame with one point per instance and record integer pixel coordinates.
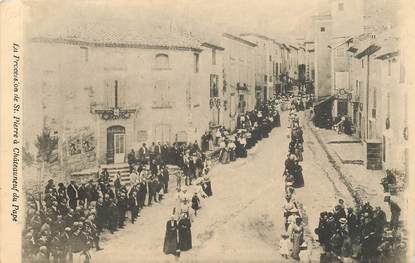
(214, 56)
(158, 64)
(85, 53)
(196, 62)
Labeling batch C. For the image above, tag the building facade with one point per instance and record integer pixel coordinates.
(322, 62)
(266, 57)
(103, 98)
(239, 78)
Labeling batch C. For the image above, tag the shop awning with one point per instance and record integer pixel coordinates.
(368, 51)
(388, 54)
(323, 100)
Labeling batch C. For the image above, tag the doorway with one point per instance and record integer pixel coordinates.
(115, 144)
(162, 133)
(342, 107)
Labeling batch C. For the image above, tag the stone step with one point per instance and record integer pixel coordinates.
(113, 169)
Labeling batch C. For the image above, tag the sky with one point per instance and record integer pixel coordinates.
(274, 18)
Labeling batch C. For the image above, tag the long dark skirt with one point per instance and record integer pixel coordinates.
(241, 151)
(170, 240)
(298, 179)
(232, 155)
(265, 131)
(224, 156)
(257, 135)
(207, 188)
(249, 143)
(185, 235)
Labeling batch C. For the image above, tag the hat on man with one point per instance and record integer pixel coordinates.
(342, 221)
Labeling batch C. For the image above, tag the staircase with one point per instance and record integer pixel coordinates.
(84, 175)
(113, 169)
(87, 174)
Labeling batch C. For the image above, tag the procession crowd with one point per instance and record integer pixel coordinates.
(292, 245)
(363, 234)
(251, 127)
(64, 222)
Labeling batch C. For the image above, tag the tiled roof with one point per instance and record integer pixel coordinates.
(99, 33)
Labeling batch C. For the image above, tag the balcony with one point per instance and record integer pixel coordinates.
(242, 86)
(113, 113)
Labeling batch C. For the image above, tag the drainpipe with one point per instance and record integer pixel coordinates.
(367, 97)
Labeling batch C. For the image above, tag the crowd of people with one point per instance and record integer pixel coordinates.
(293, 172)
(178, 235)
(65, 222)
(343, 124)
(292, 244)
(251, 127)
(362, 233)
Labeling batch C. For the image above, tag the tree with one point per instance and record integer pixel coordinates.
(46, 144)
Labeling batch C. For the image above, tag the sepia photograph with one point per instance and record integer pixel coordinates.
(206, 131)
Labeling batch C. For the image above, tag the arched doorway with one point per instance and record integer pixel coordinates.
(115, 144)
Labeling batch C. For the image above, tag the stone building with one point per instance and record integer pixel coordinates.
(394, 102)
(309, 62)
(239, 78)
(322, 64)
(340, 82)
(104, 92)
(267, 64)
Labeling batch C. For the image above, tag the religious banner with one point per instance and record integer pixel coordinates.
(74, 145)
(88, 142)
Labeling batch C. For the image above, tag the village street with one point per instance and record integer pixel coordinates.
(243, 219)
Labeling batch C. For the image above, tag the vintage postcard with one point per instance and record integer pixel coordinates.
(206, 131)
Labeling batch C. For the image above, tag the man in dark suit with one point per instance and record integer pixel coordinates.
(82, 195)
(165, 178)
(157, 149)
(72, 192)
(122, 209)
(165, 154)
(50, 185)
(150, 191)
(134, 206)
(143, 152)
(91, 192)
(141, 194)
(131, 159)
